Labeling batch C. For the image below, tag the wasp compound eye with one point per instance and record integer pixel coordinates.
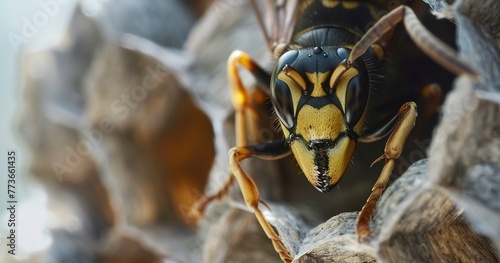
(356, 100)
(282, 102)
(280, 91)
(357, 93)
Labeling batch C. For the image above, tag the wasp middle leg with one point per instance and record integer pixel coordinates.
(245, 116)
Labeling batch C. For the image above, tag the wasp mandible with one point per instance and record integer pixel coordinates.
(327, 88)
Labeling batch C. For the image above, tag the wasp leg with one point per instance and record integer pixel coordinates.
(198, 209)
(241, 103)
(430, 45)
(240, 96)
(249, 190)
(243, 117)
(393, 148)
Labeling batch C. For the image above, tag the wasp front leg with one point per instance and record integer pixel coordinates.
(245, 122)
(245, 114)
(393, 149)
(242, 106)
(249, 190)
(245, 118)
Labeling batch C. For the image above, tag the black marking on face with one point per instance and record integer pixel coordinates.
(321, 170)
(319, 102)
(318, 145)
(321, 161)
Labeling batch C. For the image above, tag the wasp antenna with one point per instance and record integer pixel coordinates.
(338, 72)
(295, 75)
(371, 36)
(427, 42)
(435, 48)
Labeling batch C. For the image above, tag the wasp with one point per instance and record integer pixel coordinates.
(327, 90)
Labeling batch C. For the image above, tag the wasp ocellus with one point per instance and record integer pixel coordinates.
(329, 93)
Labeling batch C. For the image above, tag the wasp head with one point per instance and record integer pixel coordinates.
(321, 111)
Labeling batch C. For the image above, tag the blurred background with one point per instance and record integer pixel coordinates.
(111, 111)
(64, 212)
(12, 46)
(34, 237)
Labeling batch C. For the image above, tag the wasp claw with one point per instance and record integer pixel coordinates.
(378, 160)
(198, 209)
(266, 205)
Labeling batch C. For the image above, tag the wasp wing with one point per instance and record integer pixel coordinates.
(277, 20)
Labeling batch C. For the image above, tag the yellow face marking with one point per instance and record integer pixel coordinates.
(295, 90)
(317, 78)
(339, 71)
(341, 88)
(295, 75)
(323, 123)
(338, 160)
(305, 159)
